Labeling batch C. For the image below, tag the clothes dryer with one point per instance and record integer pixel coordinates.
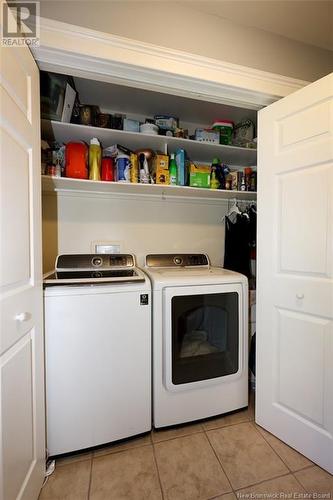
(200, 338)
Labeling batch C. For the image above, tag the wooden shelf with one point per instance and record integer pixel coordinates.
(197, 151)
(64, 184)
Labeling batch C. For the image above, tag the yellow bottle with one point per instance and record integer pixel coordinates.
(214, 183)
(95, 160)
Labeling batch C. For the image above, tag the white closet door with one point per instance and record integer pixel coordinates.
(295, 271)
(22, 416)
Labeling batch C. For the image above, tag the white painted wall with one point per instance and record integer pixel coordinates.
(179, 26)
(72, 223)
(308, 21)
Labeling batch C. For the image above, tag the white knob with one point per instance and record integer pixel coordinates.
(300, 296)
(25, 316)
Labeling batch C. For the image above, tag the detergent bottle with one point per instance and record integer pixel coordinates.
(95, 160)
(214, 183)
(173, 170)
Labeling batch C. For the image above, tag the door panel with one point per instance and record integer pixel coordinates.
(301, 333)
(22, 436)
(315, 122)
(15, 262)
(17, 415)
(295, 278)
(303, 219)
(16, 118)
(15, 79)
(12, 331)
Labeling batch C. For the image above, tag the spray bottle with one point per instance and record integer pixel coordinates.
(173, 170)
(95, 160)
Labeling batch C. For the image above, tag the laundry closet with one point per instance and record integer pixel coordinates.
(181, 229)
(294, 322)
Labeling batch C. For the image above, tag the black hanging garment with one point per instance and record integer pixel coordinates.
(252, 357)
(253, 226)
(237, 245)
(253, 245)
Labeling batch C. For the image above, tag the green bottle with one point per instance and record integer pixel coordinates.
(173, 171)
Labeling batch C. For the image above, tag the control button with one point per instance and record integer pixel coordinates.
(97, 261)
(144, 299)
(96, 274)
(178, 261)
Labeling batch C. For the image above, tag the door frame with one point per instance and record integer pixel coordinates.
(82, 52)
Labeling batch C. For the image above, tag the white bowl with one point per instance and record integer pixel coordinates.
(149, 128)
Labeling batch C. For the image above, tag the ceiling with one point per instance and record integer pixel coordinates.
(307, 21)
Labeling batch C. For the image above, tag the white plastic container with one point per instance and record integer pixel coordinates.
(149, 128)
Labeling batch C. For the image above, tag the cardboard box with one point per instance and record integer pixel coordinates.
(207, 135)
(234, 180)
(166, 122)
(161, 169)
(182, 164)
(131, 125)
(200, 175)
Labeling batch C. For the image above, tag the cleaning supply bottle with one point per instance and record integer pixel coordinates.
(243, 183)
(95, 160)
(214, 183)
(144, 169)
(173, 170)
(219, 174)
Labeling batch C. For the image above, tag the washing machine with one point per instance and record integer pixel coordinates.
(200, 338)
(97, 351)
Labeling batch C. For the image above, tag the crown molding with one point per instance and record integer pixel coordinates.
(102, 56)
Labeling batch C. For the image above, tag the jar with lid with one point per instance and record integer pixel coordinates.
(228, 182)
(248, 173)
(253, 181)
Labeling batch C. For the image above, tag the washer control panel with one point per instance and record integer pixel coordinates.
(177, 260)
(94, 261)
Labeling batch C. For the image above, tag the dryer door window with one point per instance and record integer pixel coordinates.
(205, 336)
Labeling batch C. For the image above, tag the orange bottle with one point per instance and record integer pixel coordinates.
(76, 160)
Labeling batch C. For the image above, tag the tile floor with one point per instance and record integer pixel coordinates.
(216, 459)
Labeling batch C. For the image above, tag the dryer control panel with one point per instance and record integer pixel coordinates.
(177, 260)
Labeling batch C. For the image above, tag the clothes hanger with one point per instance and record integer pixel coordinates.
(253, 207)
(234, 208)
(243, 212)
